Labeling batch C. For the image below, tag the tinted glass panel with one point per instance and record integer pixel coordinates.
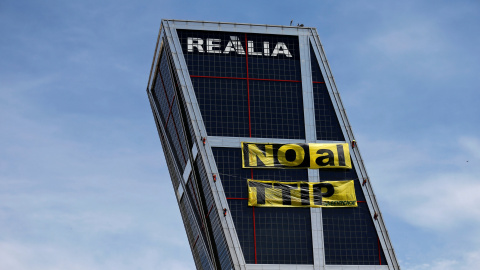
(176, 117)
(224, 106)
(175, 141)
(212, 215)
(317, 75)
(167, 104)
(169, 159)
(200, 253)
(283, 235)
(166, 73)
(349, 233)
(277, 110)
(242, 216)
(350, 237)
(160, 95)
(327, 125)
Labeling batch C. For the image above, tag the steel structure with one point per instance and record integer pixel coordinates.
(214, 85)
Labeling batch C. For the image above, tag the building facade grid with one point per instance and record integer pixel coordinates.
(198, 96)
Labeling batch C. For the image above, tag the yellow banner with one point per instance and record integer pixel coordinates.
(301, 194)
(297, 156)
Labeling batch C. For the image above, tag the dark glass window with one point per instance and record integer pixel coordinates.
(169, 159)
(350, 237)
(214, 219)
(317, 76)
(349, 233)
(177, 146)
(167, 104)
(200, 253)
(277, 110)
(242, 216)
(220, 241)
(172, 141)
(193, 197)
(160, 95)
(176, 117)
(283, 235)
(166, 73)
(327, 124)
(224, 106)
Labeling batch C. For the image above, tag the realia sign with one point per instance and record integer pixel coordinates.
(235, 45)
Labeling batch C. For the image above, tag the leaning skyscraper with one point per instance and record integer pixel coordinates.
(262, 158)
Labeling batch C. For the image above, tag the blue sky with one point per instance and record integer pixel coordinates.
(83, 181)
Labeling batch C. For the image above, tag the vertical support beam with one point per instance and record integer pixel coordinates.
(357, 160)
(311, 137)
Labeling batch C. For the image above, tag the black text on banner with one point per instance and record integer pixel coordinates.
(301, 155)
(301, 194)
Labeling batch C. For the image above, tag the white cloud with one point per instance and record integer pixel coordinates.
(434, 187)
(68, 202)
(24, 256)
(430, 186)
(467, 261)
(410, 38)
(471, 145)
(442, 202)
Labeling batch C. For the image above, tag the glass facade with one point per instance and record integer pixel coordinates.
(326, 122)
(280, 236)
(244, 92)
(239, 85)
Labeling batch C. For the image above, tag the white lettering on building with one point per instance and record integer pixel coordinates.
(213, 43)
(235, 45)
(195, 42)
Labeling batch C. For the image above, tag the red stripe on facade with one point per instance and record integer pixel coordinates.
(174, 125)
(166, 96)
(194, 244)
(318, 82)
(170, 110)
(210, 210)
(379, 253)
(179, 142)
(361, 201)
(164, 89)
(195, 196)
